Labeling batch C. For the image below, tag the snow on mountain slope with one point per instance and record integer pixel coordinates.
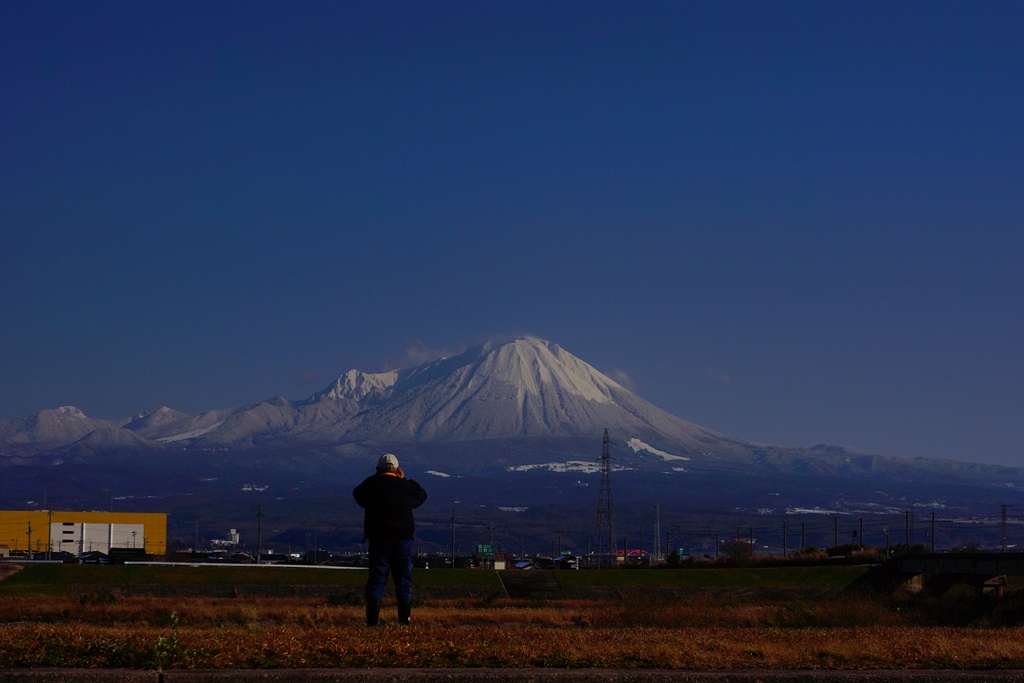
(358, 385)
(50, 426)
(637, 445)
(512, 407)
(525, 388)
(108, 440)
(158, 422)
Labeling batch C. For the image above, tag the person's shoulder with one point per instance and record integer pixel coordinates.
(366, 482)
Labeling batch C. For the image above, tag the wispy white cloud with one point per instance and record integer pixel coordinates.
(306, 378)
(417, 352)
(719, 377)
(623, 378)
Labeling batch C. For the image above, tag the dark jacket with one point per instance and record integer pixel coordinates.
(388, 502)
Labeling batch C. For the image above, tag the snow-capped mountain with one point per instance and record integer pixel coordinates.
(49, 428)
(500, 426)
(525, 388)
(527, 392)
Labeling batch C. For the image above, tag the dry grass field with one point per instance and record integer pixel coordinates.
(694, 629)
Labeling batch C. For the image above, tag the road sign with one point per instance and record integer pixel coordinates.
(485, 550)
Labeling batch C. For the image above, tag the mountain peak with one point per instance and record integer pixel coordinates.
(524, 387)
(65, 412)
(528, 364)
(533, 365)
(357, 385)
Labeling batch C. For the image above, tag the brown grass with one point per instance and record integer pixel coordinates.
(706, 632)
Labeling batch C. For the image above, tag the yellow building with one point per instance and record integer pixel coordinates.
(82, 532)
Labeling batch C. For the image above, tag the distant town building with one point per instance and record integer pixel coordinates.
(39, 531)
(230, 541)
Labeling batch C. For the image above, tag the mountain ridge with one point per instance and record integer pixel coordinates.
(526, 389)
(498, 427)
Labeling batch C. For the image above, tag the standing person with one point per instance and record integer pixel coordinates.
(388, 499)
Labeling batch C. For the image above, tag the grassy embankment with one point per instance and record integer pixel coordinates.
(89, 616)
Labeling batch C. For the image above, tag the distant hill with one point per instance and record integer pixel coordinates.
(508, 424)
(523, 389)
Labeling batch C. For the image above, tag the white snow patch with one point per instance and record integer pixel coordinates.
(584, 466)
(570, 466)
(438, 474)
(637, 445)
(512, 508)
(192, 434)
(813, 511)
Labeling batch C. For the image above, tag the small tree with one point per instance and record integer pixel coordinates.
(674, 561)
(737, 550)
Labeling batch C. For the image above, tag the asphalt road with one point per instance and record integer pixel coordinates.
(512, 675)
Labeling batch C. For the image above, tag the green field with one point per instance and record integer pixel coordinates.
(56, 579)
(249, 617)
(768, 577)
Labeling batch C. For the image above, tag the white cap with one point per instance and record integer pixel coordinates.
(387, 463)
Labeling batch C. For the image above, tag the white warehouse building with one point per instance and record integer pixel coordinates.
(84, 537)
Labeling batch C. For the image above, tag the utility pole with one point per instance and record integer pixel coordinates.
(913, 521)
(933, 532)
(1002, 514)
(657, 532)
(29, 532)
(453, 538)
(676, 531)
(785, 550)
(259, 533)
(835, 532)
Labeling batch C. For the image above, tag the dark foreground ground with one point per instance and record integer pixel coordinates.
(512, 675)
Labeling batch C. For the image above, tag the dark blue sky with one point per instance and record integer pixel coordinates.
(795, 222)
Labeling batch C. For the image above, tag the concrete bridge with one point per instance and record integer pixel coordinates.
(936, 573)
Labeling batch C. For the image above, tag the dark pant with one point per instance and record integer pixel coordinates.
(394, 557)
